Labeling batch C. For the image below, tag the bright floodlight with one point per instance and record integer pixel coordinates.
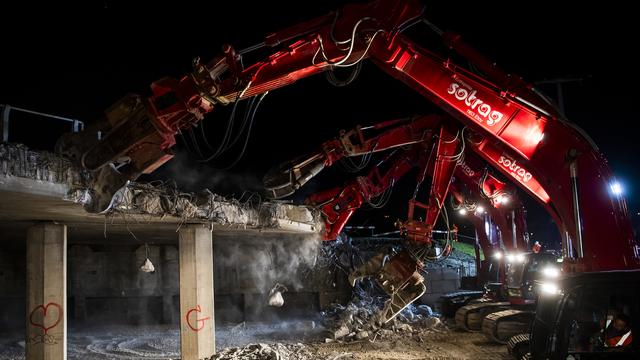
(551, 272)
(497, 255)
(549, 288)
(504, 199)
(462, 211)
(480, 210)
(616, 188)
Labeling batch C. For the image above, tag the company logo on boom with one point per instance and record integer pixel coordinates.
(483, 109)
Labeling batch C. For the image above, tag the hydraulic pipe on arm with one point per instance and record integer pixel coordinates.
(286, 178)
(513, 128)
(436, 156)
(139, 131)
(528, 142)
(447, 153)
(505, 207)
(338, 204)
(400, 277)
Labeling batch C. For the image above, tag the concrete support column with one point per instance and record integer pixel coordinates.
(197, 334)
(46, 292)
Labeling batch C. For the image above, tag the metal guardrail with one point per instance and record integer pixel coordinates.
(76, 125)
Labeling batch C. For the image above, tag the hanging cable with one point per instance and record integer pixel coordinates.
(460, 155)
(447, 243)
(194, 140)
(225, 140)
(409, 23)
(245, 120)
(220, 148)
(246, 142)
(333, 79)
(217, 151)
(351, 47)
(384, 198)
(366, 51)
(332, 33)
(186, 144)
(351, 166)
(341, 63)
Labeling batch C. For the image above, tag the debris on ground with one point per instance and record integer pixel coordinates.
(266, 352)
(357, 321)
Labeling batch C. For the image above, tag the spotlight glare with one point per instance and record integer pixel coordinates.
(616, 188)
(551, 272)
(549, 288)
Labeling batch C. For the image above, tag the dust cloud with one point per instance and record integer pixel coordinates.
(191, 175)
(288, 260)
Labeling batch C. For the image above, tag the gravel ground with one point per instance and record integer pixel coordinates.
(433, 345)
(162, 342)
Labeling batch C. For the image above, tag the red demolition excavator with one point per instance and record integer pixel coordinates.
(508, 304)
(498, 116)
(474, 188)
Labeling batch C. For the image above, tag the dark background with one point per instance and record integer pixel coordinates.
(76, 60)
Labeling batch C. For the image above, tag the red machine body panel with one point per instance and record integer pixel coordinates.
(509, 125)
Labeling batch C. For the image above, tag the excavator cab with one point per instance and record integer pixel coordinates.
(491, 279)
(500, 321)
(490, 271)
(523, 269)
(588, 316)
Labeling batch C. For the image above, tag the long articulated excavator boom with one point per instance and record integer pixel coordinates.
(399, 277)
(510, 125)
(505, 207)
(423, 138)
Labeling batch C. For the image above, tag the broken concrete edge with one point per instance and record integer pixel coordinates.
(17, 160)
(56, 176)
(164, 199)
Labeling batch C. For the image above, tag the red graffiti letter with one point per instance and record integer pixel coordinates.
(198, 322)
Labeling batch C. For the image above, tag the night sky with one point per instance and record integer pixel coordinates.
(77, 60)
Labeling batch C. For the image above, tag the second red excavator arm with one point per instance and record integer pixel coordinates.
(510, 125)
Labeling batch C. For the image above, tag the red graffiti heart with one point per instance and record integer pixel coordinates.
(199, 322)
(45, 308)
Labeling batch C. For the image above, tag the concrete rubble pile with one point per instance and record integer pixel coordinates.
(266, 352)
(357, 321)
